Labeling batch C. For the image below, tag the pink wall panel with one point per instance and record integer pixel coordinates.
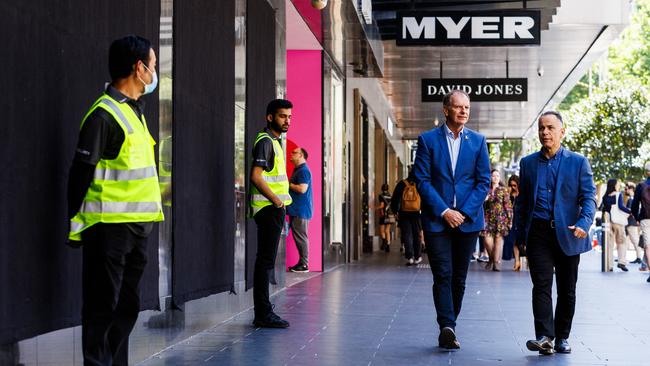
(311, 16)
(304, 89)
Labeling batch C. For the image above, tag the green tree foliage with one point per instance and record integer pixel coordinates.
(630, 56)
(506, 151)
(611, 129)
(612, 126)
(580, 91)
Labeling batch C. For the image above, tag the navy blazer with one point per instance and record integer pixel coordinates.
(575, 199)
(437, 185)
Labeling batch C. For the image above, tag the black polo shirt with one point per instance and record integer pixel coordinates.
(263, 153)
(101, 137)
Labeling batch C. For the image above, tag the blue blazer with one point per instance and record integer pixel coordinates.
(575, 199)
(437, 184)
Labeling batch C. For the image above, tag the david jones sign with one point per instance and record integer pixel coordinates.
(479, 90)
(472, 28)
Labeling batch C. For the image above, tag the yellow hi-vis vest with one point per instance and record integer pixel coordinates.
(124, 189)
(276, 178)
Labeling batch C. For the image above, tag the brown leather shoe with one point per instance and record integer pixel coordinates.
(543, 345)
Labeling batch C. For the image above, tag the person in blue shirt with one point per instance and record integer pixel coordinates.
(300, 211)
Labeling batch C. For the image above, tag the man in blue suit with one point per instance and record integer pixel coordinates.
(452, 171)
(554, 210)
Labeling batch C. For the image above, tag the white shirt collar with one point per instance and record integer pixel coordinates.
(451, 133)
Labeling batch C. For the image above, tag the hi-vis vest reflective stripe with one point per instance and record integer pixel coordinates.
(124, 189)
(276, 178)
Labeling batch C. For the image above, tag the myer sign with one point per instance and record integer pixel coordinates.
(479, 90)
(472, 28)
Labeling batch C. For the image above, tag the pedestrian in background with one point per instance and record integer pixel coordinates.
(632, 227)
(386, 217)
(300, 210)
(641, 211)
(498, 220)
(517, 250)
(406, 202)
(113, 202)
(612, 204)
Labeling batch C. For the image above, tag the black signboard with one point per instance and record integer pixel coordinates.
(479, 90)
(468, 28)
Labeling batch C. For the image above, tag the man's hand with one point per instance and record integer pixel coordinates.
(578, 232)
(453, 218)
(278, 202)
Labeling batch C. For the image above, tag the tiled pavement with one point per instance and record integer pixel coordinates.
(380, 312)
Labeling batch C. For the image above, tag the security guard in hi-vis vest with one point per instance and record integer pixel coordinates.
(269, 196)
(114, 200)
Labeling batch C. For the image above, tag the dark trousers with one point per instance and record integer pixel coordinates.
(270, 221)
(113, 262)
(545, 255)
(409, 227)
(449, 253)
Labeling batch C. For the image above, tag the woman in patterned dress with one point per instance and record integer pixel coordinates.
(498, 220)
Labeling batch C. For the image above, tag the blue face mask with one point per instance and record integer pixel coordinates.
(149, 88)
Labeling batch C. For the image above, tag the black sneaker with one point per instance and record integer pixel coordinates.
(299, 268)
(272, 320)
(622, 267)
(636, 261)
(447, 339)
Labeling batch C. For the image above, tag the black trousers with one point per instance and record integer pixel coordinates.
(409, 227)
(113, 262)
(544, 257)
(270, 221)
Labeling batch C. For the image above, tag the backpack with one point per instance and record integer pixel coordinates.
(645, 200)
(410, 198)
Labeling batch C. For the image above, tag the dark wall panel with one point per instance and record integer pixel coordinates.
(203, 178)
(260, 89)
(55, 63)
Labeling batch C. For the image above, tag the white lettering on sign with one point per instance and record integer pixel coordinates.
(506, 27)
(453, 29)
(444, 89)
(519, 26)
(499, 89)
(482, 25)
(428, 25)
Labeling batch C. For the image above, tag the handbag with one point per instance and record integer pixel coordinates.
(641, 242)
(618, 216)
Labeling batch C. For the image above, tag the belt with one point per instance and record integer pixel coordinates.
(549, 223)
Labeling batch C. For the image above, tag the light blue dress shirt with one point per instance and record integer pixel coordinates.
(453, 144)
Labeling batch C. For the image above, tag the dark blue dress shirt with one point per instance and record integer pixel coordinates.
(547, 170)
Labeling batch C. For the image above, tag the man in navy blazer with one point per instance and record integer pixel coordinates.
(452, 171)
(553, 213)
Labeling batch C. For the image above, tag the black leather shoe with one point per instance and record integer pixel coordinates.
(271, 320)
(622, 267)
(447, 339)
(562, 346)
(636, 261)
(543, 345)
